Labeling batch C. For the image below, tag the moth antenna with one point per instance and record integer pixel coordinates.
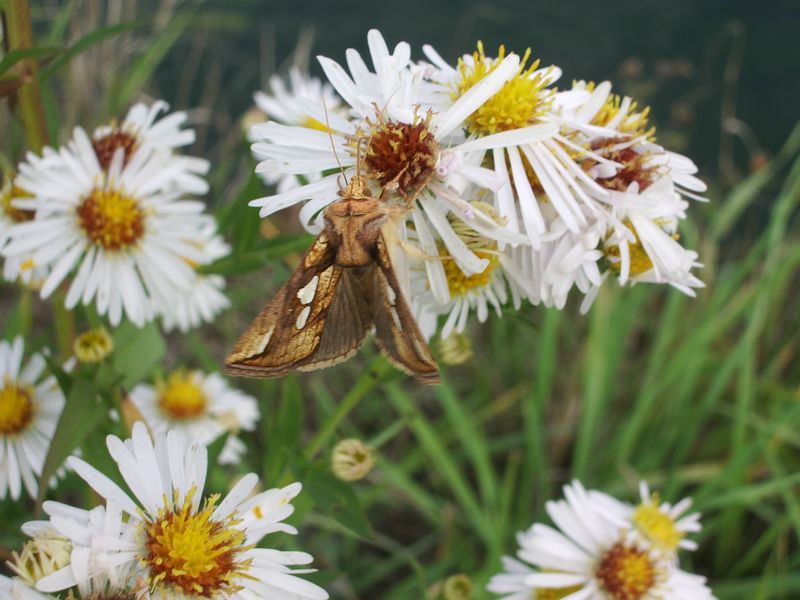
(333, 146)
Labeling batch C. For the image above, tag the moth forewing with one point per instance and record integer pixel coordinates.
(286, 333)
(396, 331)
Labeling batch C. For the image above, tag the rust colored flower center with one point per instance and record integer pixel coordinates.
(111, 219)
(16, 407)
(634, 168)
(105, 146)
(401, 156)
(191, 551)
(626, 573)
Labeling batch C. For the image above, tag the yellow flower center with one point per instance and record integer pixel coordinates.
(459, 282)
(181, 397)
(16, 407)
(190, 551)
(626, 572)
(107, 145)
(111, 219)
(7, 196)
(633, 123)
(656, 525)
(519, 103)
(93, 346)
(640, 261)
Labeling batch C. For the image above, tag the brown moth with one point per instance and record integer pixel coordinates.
(344, 287)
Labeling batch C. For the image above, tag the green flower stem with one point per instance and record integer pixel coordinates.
(64, 320)
(29, 96)
(368, 380)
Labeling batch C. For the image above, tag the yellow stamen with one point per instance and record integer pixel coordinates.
(656, 525)
(111, 219)
(519, 103)
(8, 194)
(16, 406)
(181, 396)
(191, 551)
(626, 572)
(312, 123)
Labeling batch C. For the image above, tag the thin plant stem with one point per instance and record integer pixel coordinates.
(29, 96)
(368, 380)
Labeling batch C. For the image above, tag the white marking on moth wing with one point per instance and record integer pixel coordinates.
(396, 318)
(306, 293)
(390, 294)
(265, 340)
(302, 317)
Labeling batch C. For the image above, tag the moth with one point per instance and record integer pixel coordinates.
(344, 287)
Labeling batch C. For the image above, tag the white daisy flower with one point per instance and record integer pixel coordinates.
(500, 282)
(182, 545)
(520, 135)
(102, 545)
(129, 243)
(205, 298)
(17, 267)
(30, 406)
(662, 525)
(143, 131)
(592, 558)
(404, 148)
(199, 405)
(643, 246)
(287, 105)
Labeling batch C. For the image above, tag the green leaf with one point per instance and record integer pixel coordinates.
(83, 44)
(336, 499)
(142, 70)
(83, 410)
(12, 57)
(285, 429)
(137, 352)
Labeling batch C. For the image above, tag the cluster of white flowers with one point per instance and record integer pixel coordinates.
(514, 189)
(165, 539)
(109, 213)
(604, 549)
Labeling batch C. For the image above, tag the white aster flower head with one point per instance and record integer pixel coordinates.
(17, 267)
(128, 242)
(30, 406)
(439, 281)
(289, 105)
(205, 297)
(101, 542)
(519, 134)
(186, 545)
(201, 406)
(663, 525)
(643, 246)
(592, 557)
(143, 131)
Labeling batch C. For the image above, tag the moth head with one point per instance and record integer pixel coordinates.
(357, 188)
